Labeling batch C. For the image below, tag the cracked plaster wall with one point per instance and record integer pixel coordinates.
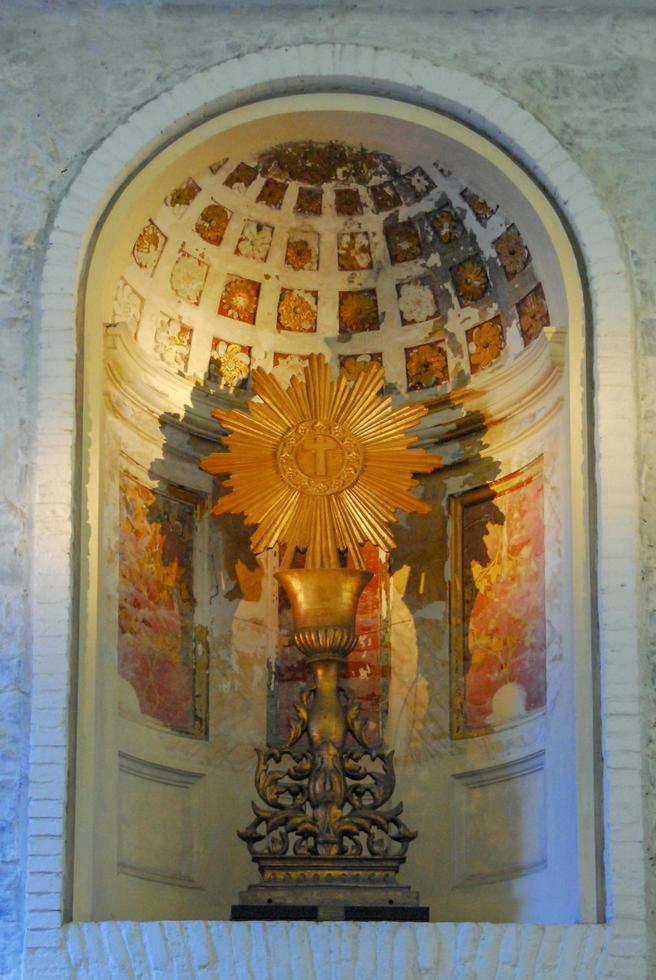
(69, 76)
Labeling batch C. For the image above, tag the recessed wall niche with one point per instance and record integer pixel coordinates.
(369, 236)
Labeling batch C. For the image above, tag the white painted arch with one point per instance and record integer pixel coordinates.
(386, 73)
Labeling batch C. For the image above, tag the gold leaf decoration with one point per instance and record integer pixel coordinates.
(322, 466)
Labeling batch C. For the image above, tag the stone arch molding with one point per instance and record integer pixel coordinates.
(574, 950)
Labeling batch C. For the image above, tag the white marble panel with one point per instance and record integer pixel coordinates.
(499, 821)
(157, 822)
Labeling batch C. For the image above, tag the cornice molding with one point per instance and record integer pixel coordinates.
(511, 392)
(161, 397)
(158, 394)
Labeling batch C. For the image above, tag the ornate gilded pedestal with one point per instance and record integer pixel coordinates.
(327, 835)
(321, 468)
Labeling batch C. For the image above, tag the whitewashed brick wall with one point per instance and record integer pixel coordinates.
(572, 96)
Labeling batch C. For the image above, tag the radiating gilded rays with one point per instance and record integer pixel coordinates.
(320, 522)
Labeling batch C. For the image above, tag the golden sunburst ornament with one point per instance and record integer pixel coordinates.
(322, 466)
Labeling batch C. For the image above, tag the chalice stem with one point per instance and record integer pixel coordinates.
(324, 603)
(327, 722)
(327, 732)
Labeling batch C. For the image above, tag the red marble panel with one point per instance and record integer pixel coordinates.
(156, 603)
(498, 629)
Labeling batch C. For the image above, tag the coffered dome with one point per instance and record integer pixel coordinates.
(369, 243)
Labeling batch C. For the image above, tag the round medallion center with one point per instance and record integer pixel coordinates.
(319, 457)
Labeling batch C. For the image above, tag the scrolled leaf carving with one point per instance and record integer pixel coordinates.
(359, 826)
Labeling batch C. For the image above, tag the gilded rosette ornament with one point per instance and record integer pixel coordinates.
(322, 466)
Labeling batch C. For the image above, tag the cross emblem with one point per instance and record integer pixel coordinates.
(319, 456)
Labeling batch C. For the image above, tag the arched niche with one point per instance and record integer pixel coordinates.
(501, 786)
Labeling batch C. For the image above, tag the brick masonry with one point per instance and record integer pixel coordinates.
(572, 97)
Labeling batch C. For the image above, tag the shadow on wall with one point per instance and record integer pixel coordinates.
(163, 614)
(424, 590)
(159, 644)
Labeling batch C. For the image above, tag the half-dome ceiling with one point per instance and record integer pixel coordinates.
(266, 256)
